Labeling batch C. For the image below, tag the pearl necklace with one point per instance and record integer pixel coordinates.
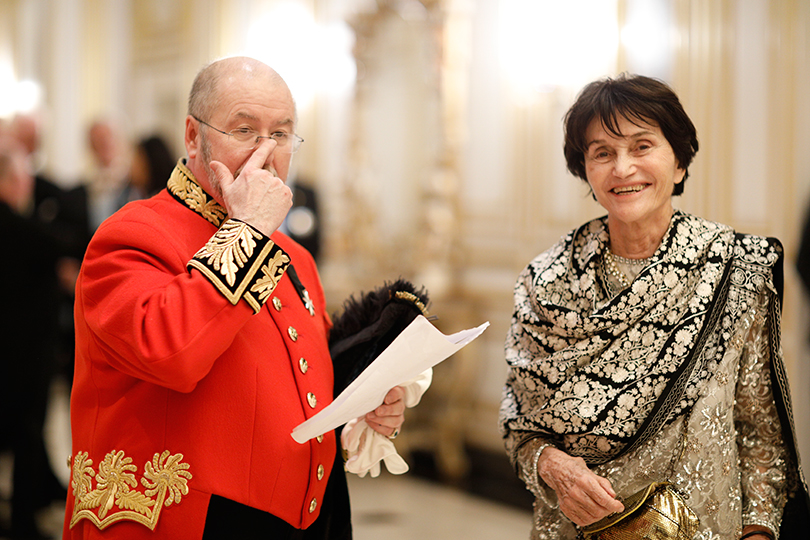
(613, 270)
(628, 262)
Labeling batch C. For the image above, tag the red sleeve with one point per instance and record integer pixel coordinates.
(151, 316)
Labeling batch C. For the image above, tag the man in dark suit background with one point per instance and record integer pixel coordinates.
(303, 222)
(28, 330)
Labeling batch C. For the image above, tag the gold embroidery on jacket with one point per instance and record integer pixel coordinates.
(183, 186)
(272, 271)
(233, 258)
(242, 263)
(229, 249)
(115, 498)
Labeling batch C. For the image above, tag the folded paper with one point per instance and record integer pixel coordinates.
(419, 347)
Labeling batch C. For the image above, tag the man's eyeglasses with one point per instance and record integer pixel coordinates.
(285, 142)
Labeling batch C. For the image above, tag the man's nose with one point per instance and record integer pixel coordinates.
(268, 162)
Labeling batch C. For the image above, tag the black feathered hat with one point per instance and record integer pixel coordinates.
(369, 324)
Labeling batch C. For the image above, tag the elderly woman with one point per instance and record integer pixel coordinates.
(644, 345)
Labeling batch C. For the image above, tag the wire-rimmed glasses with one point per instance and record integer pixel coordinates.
(285, 142)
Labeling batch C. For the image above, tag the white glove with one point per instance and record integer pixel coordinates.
(366, 448)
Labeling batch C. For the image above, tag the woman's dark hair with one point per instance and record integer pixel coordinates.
(638, 99)
(160, 162)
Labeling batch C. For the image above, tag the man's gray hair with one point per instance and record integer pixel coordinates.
(203, 98)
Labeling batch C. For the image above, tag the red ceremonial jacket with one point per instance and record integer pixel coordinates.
(196, 356)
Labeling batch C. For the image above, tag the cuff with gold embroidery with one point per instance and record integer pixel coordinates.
(242, 263)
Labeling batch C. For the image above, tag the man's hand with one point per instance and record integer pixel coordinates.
(584, 497)
(256, 196)
(388, 417)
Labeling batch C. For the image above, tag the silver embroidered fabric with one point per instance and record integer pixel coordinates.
(734, 471)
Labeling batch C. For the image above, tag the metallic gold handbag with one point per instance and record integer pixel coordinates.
(657, 511)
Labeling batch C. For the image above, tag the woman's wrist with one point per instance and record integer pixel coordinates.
(536, 461)
(531, 476)
(756, 533)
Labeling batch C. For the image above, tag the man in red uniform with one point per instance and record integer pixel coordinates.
(201, 342)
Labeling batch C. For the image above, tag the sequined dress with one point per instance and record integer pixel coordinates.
(589, 360)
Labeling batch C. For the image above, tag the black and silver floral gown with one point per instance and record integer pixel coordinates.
(612, 373)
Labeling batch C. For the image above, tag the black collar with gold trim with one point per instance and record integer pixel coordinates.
(184, 187)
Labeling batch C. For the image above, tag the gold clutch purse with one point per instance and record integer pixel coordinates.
(657, 511)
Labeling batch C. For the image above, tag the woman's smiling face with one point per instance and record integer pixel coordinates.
(632, 176)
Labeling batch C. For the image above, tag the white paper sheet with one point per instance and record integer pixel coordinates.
(417, 348)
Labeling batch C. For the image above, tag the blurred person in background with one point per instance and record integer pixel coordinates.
(152, 163)
(28, 329)
(63, 212)
(112, 156)
(803, 254)
(303, 222)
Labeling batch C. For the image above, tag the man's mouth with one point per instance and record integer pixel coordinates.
(627, 189)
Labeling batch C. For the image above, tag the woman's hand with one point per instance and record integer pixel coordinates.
(388, 417)
(584, 497)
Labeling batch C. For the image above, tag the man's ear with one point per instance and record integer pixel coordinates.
(192, 137)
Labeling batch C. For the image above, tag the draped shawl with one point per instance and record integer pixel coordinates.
(600, 376)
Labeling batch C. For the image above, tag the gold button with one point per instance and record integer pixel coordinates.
(319, 438)
(293, 333)
(277, 303)
(302, 363)
(313, 504)
(321, 471)
(311, 399)
(70, 459)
